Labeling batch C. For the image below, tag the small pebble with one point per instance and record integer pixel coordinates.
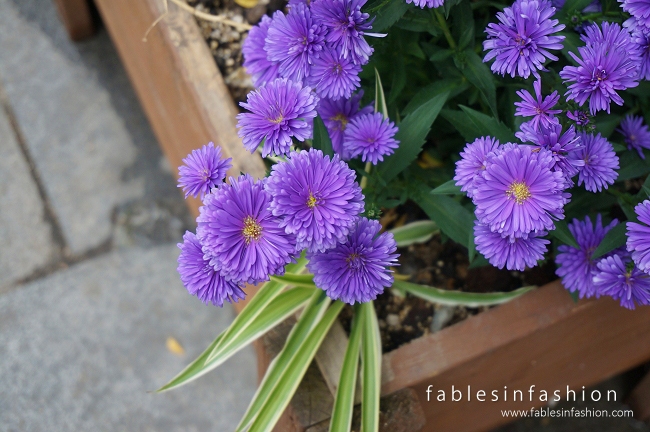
(441, 317)
(392, 320)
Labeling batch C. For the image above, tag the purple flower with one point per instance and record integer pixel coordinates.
(358, 269)
(426, 3)
(515, 253)
(337, 114)
(636, 134)
(371, 136)
(316, 198)
(539, 108)
(238, 232)
(639, 9)
(594, 6)
(473, 161)
(333, 76)
(281, 109)
(581, 118)
(607, 64)
(638, 237)
(522, 40)
(256, 61)
(202, 170)
(575, 266)
(618, 278)
(519, 192)
(294, 41)
(600, 162)
(346, 25)
(641, 38)
(201, 279)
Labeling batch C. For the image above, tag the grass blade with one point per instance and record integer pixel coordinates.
(371, 369)
(380, 99)
(344, 401)
(293, 373)
(277, 311)
(310, 317)
(458, 298)
(414, 232)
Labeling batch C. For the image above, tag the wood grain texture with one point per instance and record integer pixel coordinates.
(76, 17)
(639, 399)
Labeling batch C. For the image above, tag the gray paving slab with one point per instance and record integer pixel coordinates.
(79, 350)
(69, 101)
(25, 236)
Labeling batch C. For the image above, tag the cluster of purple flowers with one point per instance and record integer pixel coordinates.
(248, 230)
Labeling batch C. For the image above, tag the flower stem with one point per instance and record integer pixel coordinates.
(445, 29)
(364, 180)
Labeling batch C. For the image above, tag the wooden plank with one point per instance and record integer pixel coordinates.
(639, 399)
(177, 82)
(76, 17)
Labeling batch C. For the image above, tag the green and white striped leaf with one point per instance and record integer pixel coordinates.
(258, 303)
(370, 369)
(292, 279)
(380, 99)
(414, 232)
(458, 298)
(277, 311)
(310, 317)
(344, 401)
(282, 393)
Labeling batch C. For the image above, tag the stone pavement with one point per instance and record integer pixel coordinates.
(89, 221)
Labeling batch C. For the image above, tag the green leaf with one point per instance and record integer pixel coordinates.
(258, 303)
(380, 98)
(310, 317)
(389, 15)
(414, 232)
(571, 6)
(370, 368)
(344, 399)
(571, 43)
(479, 74)
(459, 298)
(562, 233)
(645, 188)
(463, 29)
(452, 218)
(632, 166)
(295, 369)
(277, 311)
(292, 279)
(322, 140)
(411, 135)
(453, 86)
(447, 188)
(614, 239)
(575, 295)
(487, 125)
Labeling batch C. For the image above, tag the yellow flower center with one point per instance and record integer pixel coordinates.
(519, 191)
(340, 118)
(311, 201)
(252, 230)
(277, 120)
(353, 261)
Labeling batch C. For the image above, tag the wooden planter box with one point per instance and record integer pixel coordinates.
(542, 339)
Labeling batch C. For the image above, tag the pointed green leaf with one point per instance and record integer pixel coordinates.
(452, 218)
(614, 239)
(463, 29)
(286, 386)
(480, 75)
(322, 140)
(370, 369)
(310, 317)
(447, 188)
(380, 98)
(459, 298)
(571, 6)
(632, 166)
(277, 311)
(454, 86)
(292, 279)
(389, 14)
(414, 232)
(562, 233)
(344, 399)
(487, 125)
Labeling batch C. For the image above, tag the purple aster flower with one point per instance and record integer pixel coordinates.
(641, 38)
(581, 118)
(513, 253)
(316, 198)
(575, 266)
(639, 9)
(636, 134)
(358, 269)
(619, 278)
(520, 43)
(638, 237)
(238, 232)
(426, 3)
(600, 162)
(346, 25)
(607, 64)
(202, 170)
(333, 76)
(473, 161)
(539, 108)
(294, 41)
(256, 61)
(337, 114)
(371, 136)
(594, 6)
(519, 192)
(279, 110)
(201, 279)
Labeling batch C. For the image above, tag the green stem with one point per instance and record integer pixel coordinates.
(445, 29)
(364, 180)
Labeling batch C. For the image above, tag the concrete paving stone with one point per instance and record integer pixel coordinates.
(80, 349)
(83, 147)
(24, 234)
